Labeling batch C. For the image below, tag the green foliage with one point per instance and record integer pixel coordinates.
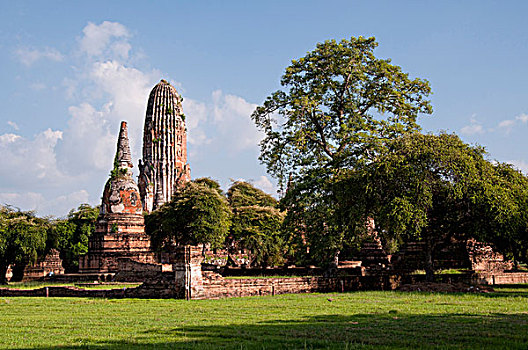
(242, 193)
(206, 181)
(257, 224)
(73, 234)
(503, 211)
(426, 187)
(259, 229)
(22, 237)
(114, 173)
(338, 107)
(338, 104)
(197, 214)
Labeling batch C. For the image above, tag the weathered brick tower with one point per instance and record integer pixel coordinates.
(164, 167)
(120, 228)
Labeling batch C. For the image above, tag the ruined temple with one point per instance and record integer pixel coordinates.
(120, 229)
(164, 165)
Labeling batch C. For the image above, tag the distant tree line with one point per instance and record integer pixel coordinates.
(24, 237)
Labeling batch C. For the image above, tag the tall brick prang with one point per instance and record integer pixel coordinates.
(164, 166)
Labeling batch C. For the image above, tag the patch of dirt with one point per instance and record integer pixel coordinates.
(444, 288)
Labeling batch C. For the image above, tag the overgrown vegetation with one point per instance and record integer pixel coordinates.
(197, 214)
(70, 236)
(22, 238)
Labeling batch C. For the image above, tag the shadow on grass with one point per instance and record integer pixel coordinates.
(510, 290)
(390, 330)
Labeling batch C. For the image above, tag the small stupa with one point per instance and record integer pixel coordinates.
(120, 228)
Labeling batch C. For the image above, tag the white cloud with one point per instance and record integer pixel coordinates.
(265, 185)
(88, 141)
(26, 161)
(60, 205)
(522, 117)
(507, 123)
(13, 124)
(8, 138)
(198, 113)
(519, 164)
(127, 90)
(232, 118)
(473, 128)
(29, 56)
(108, 39)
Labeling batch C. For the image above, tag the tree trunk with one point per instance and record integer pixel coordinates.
(429, 266)
(335, 262)
(18, 272)
(3, 272)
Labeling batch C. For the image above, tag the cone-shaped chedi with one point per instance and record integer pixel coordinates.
(164, 166)
(121, 194)
(120, 229)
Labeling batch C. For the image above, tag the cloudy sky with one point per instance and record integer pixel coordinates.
(71, 71)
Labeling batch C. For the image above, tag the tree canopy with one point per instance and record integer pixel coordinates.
(197, 214)
(22, 238)
(337, 105)
(70, 236)
(426, 187)
(256, 224)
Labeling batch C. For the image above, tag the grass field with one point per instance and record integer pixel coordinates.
(366, 320)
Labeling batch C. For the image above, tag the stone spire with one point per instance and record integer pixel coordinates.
(164, 166)
(123, 157)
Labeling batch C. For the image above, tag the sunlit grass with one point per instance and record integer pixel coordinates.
(367, 320)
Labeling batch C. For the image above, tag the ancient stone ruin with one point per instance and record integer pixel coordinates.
(164, 166)
(120, 248)
(120, 228)
(46, 265)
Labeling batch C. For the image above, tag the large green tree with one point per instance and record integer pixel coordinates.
(70, 236)
(338, 106)
(197, 214)
(22, 238)
(256, 224)
(425, 187)
(503, 211)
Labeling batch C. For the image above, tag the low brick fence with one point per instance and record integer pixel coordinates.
(219, 287)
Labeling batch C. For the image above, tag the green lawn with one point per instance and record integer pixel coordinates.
(366, 320)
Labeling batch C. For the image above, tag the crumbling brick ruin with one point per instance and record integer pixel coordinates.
(120, 228)
(49, 264)
(164, 166)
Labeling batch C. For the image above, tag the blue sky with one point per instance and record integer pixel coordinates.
(71, 71)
